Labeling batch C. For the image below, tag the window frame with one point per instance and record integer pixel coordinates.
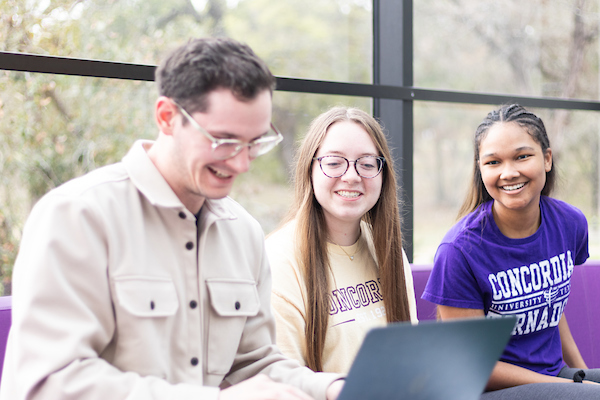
(392, 89)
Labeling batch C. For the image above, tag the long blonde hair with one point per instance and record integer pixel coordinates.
(311, 232)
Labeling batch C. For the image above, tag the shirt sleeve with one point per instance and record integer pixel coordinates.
(63, 317)
(287, 298)
(583, 242)
(290, 328)
(452, 282)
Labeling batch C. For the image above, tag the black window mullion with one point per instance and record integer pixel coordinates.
(393, 66)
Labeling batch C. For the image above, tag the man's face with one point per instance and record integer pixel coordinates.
(195, 173)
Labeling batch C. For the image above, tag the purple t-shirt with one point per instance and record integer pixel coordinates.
(476, 266)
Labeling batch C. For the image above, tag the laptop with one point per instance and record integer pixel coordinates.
(450, 360)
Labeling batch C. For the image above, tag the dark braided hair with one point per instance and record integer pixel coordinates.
(532, 124)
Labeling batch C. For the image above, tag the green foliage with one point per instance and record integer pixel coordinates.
(534, 48)
(55, 128)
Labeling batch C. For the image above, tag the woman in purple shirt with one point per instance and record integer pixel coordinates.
(512, 254)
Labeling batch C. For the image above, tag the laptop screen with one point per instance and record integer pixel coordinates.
(433, 360)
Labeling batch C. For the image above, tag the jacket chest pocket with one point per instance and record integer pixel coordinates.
(145, 315)
(147, 297)
(232, 302)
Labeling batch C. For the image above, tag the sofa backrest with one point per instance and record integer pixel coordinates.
(5, 321)
(582, 310)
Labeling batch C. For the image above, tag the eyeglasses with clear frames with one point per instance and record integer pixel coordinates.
(223, 149)
(336, 166)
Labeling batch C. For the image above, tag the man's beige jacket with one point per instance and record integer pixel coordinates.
(118, 295)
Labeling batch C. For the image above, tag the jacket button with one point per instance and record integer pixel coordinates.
(193, 304)
(237, 305)
(189, 245)
(152, 305)
(194, 361)
(181, 215)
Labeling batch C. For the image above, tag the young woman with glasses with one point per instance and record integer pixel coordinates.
(337, 261)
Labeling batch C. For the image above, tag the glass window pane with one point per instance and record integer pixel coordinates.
(534, 48)
(266, 191)
(318, 39)
(443, 166)
(55, 128)
(58, 127)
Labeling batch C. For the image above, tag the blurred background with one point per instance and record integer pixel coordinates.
(56, 127)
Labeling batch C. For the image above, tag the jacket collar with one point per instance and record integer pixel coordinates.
(149, 181)
(146, 177)
(219, 208)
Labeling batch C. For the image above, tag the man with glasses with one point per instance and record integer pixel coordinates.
(142, 280)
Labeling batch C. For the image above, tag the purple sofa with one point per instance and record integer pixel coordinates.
(582, 311)
(5, 320)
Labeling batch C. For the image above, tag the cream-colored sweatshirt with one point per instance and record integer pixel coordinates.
(355, 301)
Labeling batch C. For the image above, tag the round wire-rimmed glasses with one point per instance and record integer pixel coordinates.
(335, 166)
(223, 149)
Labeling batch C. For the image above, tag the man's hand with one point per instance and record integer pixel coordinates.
(333, 391)
(261, 387)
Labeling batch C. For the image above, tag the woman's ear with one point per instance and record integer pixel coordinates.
(548, 160)
(165, 112)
